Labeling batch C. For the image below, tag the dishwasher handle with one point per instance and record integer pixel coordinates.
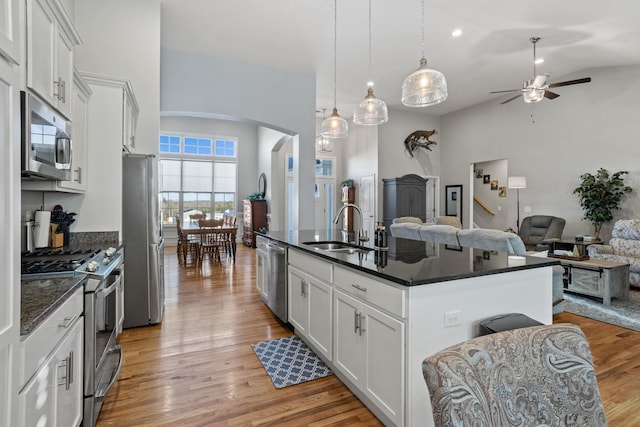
(276, 248)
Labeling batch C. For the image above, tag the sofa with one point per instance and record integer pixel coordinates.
(478, 238)
(624, 247)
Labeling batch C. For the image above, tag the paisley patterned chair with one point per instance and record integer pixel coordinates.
(623, 247)
(536, 376)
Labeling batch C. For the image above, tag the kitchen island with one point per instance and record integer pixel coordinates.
(374, 316)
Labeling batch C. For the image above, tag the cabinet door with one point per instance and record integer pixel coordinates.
(320, 316)
(298, 301)
(41, 36)
(347, 349)
(64, 73)
(9, 37)
(261, 273)
(68, 364)
(37, 399)
(384, 370)
(79, 107)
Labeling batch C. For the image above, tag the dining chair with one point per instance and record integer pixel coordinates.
(210, 239)
(187, 247)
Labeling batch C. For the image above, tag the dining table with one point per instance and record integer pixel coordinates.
(228, 235)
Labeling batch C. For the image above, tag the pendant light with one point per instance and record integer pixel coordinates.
(334, 126)
(425, 86)
(324, 145)
(371, 111)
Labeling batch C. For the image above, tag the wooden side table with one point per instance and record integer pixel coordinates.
(567, 245)
(597, 278)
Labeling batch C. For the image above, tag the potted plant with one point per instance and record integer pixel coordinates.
(600, 195)
(349, 183)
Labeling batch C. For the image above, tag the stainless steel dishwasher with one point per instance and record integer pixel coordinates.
(276, 286)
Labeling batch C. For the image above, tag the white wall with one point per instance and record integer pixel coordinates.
(501, 206)
(280, 100)
(122, 39)
(392, 157)
(589, 126)
(272, 149)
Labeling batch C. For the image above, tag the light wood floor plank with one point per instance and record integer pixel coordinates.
(197, 368)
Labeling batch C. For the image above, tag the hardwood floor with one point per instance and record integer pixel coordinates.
(197, 367)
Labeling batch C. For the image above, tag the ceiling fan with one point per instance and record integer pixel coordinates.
(536, 89)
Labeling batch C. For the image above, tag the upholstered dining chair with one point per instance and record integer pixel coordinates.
(536, 376)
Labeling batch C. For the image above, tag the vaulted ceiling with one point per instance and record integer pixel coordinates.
(493, 53)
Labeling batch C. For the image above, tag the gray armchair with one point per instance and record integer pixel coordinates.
(541, 375)
(538, 231)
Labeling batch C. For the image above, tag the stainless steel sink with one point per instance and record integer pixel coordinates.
(337, 246)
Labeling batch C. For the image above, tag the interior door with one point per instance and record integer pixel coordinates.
(367, 203)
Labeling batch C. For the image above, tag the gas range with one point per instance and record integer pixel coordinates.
(49, 261)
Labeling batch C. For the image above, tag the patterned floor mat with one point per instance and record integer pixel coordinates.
(289, 361)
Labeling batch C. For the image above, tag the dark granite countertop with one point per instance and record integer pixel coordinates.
(412, 262)
(41, 296)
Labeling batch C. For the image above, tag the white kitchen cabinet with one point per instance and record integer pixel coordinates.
(262, 270)
(51, 38)
(53, 393)
(10, 216)
(310, 309)
(9, 36)
(370, 351)
(80, 95)
(124, 106)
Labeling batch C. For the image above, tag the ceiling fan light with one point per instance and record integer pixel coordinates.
(334, 126)
(424, 87)
(533, 95)
(371, 111)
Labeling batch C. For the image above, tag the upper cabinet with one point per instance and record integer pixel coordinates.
(80, 94)
(9, 38)
(119, 104)
(51, 38)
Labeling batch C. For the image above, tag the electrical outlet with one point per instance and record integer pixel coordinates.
(527, 209)
(452, 318)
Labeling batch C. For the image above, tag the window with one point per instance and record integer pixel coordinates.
(195, 179)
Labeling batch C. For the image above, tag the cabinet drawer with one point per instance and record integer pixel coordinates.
(37, 345)
(312, 265)
(366, 288)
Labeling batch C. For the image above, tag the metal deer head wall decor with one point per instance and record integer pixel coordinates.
(419, 138)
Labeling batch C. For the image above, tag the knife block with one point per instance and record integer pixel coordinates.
(56, 240)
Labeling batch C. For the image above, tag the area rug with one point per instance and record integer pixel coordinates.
(289, 361)
(625, 313)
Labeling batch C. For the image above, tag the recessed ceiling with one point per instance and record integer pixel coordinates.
(493, 53)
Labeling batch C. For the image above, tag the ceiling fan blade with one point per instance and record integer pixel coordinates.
(550, 95)
(571, 82)
(505, 91)
(510, 99)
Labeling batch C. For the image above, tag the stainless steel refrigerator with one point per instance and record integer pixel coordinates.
(143, 242)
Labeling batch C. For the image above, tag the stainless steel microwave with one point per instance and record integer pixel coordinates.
(46, 141)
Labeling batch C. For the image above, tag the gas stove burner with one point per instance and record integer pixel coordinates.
(52, 252)
(34, 267)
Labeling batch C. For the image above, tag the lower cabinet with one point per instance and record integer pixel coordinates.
(370, 352)
(310, 309)
(53, 396)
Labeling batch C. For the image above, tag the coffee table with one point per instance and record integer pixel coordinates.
(597, 278)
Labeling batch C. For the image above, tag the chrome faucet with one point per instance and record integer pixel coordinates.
(361, 234)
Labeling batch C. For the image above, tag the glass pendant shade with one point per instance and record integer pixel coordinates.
(424, 87)
(334, 126)
(371, 111)
(324, 145)
(533, 95)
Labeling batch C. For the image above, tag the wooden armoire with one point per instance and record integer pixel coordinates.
(404, 196)
(254, 217)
